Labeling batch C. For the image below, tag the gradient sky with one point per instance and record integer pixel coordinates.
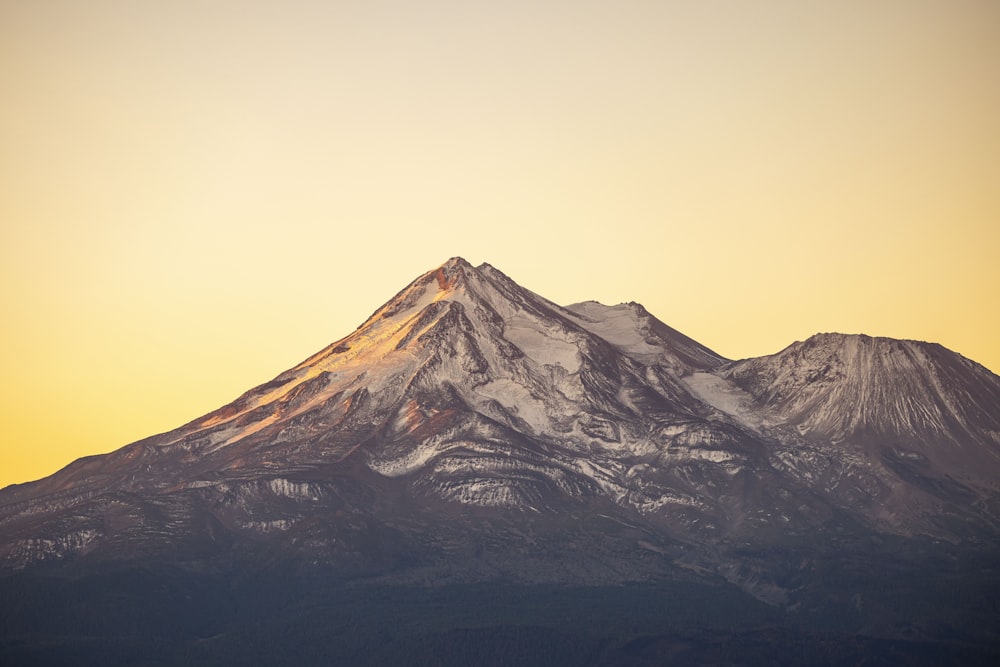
(197, 194)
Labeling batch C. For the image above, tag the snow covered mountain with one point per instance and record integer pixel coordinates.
(469, 411)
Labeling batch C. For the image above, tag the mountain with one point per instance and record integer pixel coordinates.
(905, 432)
(471, 432)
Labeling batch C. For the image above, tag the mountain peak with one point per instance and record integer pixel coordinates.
(836, 338)
(467, 390)
(457, 261)
(452, 272)
(859, 348)
(881, 392)
(473, 436)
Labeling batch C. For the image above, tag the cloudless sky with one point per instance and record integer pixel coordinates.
(198, 194)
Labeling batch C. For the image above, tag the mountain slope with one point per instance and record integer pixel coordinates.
(469, 410)
(464, 387)
(898, 391)
(477, 475)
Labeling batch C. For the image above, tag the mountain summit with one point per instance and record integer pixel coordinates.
(467, 389)
(472, 432)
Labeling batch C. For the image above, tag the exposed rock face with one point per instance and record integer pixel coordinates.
(472, 430)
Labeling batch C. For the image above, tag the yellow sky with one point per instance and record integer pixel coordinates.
(196, 195)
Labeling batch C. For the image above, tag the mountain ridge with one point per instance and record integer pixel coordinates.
(467, 389)
(477, 463)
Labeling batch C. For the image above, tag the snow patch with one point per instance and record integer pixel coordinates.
(290, 489)
(268, 526)
(652, 505)
(201, 484)
(489, 492)
(725, 396)
(518, 400)
(32, 550)
(619, 325)
(541, 346)
(409, 462)
(713, 455)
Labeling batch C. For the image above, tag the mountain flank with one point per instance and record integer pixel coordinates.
(471, 434)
